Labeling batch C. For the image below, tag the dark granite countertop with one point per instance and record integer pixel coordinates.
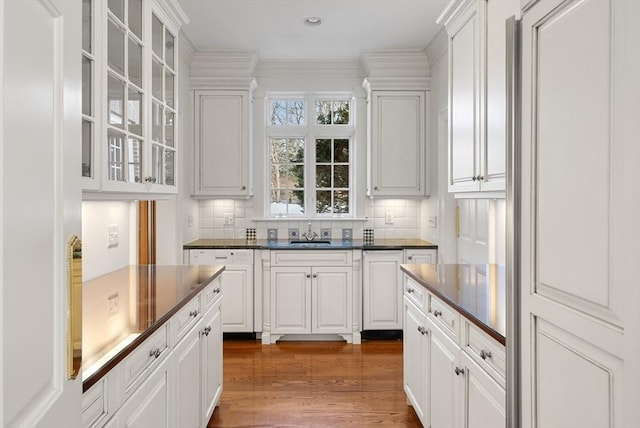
(356, 244)
(123, 308)
(483, 304)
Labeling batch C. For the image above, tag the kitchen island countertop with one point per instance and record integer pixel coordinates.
(123, 308)
(484, 304)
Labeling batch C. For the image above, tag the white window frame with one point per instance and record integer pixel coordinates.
(310, 132)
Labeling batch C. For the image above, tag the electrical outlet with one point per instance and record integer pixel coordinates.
(114, 303)
(113, 238)
(189, 220)
(388, 217)
(228, 218)
(433, 221)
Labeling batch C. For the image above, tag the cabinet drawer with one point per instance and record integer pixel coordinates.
(142, 361)
(311, 258)
(211, 293)
(487, 352)
(95, 410)
(445, 317)
(417, 294)
(186, 318)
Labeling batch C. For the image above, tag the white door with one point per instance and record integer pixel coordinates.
(580, 202)
(40, 207)
(414, 359)
(382, 290)
(291, 300)
(331, 296)
(445, 391)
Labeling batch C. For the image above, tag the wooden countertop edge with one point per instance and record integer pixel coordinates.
(100, 373)
(468, 315)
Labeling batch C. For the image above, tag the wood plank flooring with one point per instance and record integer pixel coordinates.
(313, 384)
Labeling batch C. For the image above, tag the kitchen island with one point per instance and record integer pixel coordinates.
(355, 244)
(150, 334)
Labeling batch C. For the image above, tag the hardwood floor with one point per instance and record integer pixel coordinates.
(313, 384)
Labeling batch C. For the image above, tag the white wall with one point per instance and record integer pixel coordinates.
(98, 259)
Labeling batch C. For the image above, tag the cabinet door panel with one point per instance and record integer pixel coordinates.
(332, 297)
(238, 300)
(484, 398)
(150, 405)
(211, 348)
(445, 385)
(415, 362)
(291, 300)
(187, 374)
(382, 290)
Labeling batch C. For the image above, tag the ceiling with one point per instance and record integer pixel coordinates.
(276, 28)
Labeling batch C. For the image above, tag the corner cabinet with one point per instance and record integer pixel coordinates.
(223, 143)
(477, 93)
(396, 143)
(130, 98)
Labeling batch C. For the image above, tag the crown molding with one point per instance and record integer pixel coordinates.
(175, 12)
(396, 63)
(437, 47)
(224, 83)
(452, 11)
(187, 48)
(344, 68)
(224, 64)
(396, 84)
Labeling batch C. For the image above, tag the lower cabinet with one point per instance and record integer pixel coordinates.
(444, 384)
(176, 386)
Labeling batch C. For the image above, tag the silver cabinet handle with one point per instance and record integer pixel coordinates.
(206, 331)
(423, 331)
(244, 187)
(375, 188)
(193, 313)
(485, 354)
(155, 352)
(410, 258)
(308, 275)
(480, 177)
(437, 313)
(474, 178)
(459, 371)
(315, 275)
(216, 290)
(410, 290)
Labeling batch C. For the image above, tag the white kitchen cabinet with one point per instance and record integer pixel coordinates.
(396, 155)
(211, 362)
(237, 285)
(311, 293)
(452, 390)
(415, 354)
(477, 93)
(151, 404)
(130, 99)
(382, 290)
(579, 320)
(420, 256)
(187, 357)
(222, 134)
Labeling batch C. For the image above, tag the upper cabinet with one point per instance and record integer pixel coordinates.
(477, 93)
(222, 137)
(130, 100)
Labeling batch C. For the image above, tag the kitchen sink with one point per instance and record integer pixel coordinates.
(313, 242)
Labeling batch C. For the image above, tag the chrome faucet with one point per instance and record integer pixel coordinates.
(309, 235)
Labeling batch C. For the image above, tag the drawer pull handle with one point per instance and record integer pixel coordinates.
(485, 354)
(193, 313)
(155, 352)
(308, 275)
(423, 330)
(315, 275)
(216, 290)
(410, 290)
(459, 371)
(437, 313)
(206, 331)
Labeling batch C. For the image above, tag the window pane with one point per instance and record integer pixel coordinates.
(156, 124)
(341, 176)
(115, 50)
(278, 113)
(278, 150)
(87, 25)
(87, 149)
(156, 163)
(117, 8)
(134, 112)
(115, 89)
(279, 176)
(340, 112)
(295, 112)
(296, 203)
(323, 176)
(169, 167)
(323, 112)
(87, 86)
(323, 150)
(156, 80)
(156, 35)
(169, 49)
(116, 147)
(134, 161)
(341, 150)
(135, 17)
(135, 63)
(287, 112)
(169, 128)
(295, 150)
(323, 202)
(296, 176)
(341, 202)
(169, 88)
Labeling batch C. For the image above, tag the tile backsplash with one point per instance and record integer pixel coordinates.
(389, 218)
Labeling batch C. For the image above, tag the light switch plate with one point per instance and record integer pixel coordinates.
(113, 237)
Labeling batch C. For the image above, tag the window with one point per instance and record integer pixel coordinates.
(310, 165)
